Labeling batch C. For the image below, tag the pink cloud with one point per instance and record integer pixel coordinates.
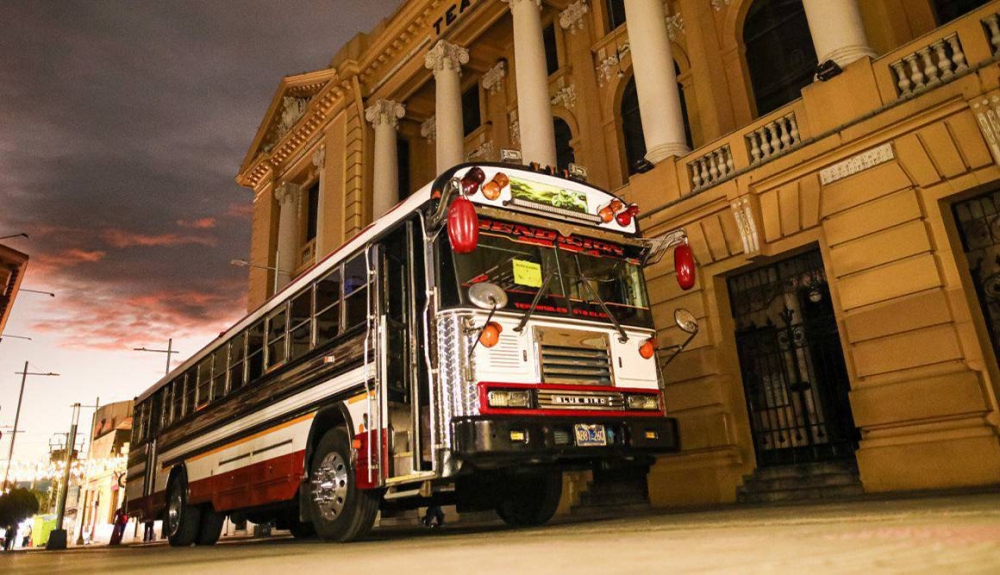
(124, 239)
(199, 224)
(66, 258)
(239, 211)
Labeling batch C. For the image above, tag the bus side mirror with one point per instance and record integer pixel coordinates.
(689, 325)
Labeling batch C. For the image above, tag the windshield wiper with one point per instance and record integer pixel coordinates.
(534, 303)
(586, 281)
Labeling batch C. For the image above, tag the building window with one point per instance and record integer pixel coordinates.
(312, 211)
(947, 10)
(635, 142)
(779, 51)
(551, 52)
(616, 13)
(403, 167)
(565, 155)
(470, 110)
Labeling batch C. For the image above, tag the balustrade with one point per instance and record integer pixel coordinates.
(711, 168)
(991, 24)
(773, 138)
(929, 66)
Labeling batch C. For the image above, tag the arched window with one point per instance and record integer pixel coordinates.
(635, 142)
(565, 155)
(947, 10)
(780, 53)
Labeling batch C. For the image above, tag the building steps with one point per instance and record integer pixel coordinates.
(801, 482)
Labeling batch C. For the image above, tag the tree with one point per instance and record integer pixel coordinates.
(17, 505)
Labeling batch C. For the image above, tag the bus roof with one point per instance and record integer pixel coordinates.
(530, 192)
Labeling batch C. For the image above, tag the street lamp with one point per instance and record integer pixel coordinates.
(48, 293)
(20, 235)
(169, 351)
(276, 269)
(17, 416)
(3, 335)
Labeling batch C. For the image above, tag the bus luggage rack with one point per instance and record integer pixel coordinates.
(580, 366)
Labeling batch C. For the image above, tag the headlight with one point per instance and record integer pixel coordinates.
(647, 402)
(509, 398)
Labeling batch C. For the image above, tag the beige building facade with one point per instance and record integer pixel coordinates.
(834, 163)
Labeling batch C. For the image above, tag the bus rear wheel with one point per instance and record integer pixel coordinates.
(183, 520)
(339, 510)
(210, 528)
(528, 500)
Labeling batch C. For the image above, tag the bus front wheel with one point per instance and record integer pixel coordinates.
(527, 500)
(339, 510)
(183, 520)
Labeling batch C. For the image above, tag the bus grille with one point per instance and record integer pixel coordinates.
(581, 366)
(591, 400)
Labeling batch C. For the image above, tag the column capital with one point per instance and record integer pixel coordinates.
(428, 129)
(384, 112)
(513, 3)
(319, 157)
(287, 193)
(446, 56)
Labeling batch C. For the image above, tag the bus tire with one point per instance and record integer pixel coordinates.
(182, 520)
(210, 528)
(528, 500)
(339, 510)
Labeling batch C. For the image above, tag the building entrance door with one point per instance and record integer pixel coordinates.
(979, 226)
(794, 375)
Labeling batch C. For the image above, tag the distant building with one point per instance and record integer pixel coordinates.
(835, 166)
(12, 266)
(101, 492)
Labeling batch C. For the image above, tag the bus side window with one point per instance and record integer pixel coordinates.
(189, 391)
(300, 322)
(277, 323)
(328, 307)
(237, 353)
(219, 371)
(355, 292)
(255, 352)
(204, 382)
(165, 405)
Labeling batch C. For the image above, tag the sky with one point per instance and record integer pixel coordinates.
(122, 127)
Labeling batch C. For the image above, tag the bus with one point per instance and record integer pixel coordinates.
(488, 333)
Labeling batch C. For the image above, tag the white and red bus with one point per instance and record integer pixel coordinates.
(489, 332)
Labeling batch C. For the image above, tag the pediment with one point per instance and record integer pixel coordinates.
(290, 103)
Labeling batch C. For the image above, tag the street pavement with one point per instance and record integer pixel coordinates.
(942, 534)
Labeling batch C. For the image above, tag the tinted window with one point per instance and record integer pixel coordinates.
(328, 307)
(300, 324)
(237, 355)
(355, 292)
(276, 326)
(255, 351)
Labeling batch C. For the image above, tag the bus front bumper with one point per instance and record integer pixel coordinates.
(495, 441)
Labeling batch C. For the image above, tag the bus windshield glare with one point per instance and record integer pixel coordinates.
(580, 273)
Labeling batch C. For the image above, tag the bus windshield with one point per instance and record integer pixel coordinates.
(577, 274)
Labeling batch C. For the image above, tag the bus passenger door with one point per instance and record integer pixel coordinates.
(402, 360)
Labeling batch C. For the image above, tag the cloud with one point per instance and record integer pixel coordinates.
(125, 239)
(199, 224)
(67, 258)
(240, 211)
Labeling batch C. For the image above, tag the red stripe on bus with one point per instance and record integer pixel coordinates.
(261, 483)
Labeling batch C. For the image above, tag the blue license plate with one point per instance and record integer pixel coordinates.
(589, 435)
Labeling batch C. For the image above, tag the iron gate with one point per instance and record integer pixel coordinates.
(979, 226)
(794, 375)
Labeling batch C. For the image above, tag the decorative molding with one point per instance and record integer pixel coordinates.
(428, 128)
(292, 109)
(745, 221)
(611, 65)
(446, 56)
(514, 128)
(493, 78)
(384, 112)
(565, 94)
(721, 4)
(988, 115)
(572, 17)
(857, 163)
(319, 157)
(675, 25)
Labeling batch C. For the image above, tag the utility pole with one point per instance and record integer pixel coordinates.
(17, 416)
(169, 351)
(57, 538)
(83, 507)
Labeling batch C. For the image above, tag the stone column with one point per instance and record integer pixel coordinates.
(655, 80)
(384, 116)
(534, 112)
(287, 195)
(322, 244)
(446, 60)
(837, 31)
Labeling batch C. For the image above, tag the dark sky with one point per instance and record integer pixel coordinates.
(122, 126)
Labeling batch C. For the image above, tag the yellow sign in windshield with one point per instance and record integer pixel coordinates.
(527, 273)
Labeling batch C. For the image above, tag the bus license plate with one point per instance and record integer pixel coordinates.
(590, 434)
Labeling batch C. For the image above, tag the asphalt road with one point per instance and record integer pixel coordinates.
(952, 534)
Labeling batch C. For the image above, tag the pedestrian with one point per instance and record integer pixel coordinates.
(148, 534)
(434, 516)
(121, 519)
(26, 542)
(8, 542)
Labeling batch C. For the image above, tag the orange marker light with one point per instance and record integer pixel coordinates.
(491, 334)
(648, 348)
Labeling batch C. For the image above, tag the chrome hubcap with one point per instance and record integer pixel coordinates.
(329, 486)
(174, 511)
